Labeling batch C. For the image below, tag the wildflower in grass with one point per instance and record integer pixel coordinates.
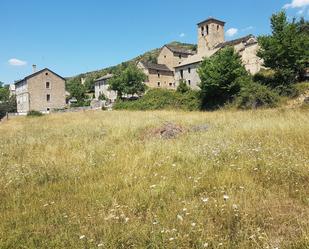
(205, 200)
(193, 224)
(180, 218)
(185, 210)
(100, 245)
(235, 207)
(153, 186)
(46, 205)
(126, 220)
(205, 245)
(171, 239)
(226, 197)
(82, 237)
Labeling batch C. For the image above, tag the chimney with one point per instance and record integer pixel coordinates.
(34, 68)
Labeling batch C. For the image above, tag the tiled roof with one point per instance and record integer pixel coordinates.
(211, 20)
(159, 67)
(235, 42)
(105, 77)
(36, 73)
(179, 50)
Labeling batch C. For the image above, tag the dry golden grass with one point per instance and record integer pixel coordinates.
(88, 180)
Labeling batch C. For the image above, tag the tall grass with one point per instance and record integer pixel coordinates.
(88, 180)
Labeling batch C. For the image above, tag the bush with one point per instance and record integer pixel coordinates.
(8, 106)
(254, 96)
(183, 87)
(159, 99)
(34, 114)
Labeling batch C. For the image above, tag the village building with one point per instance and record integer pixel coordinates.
(101, 88)
(158, 75)
(211, 40)
(172, 56)
(41, 91)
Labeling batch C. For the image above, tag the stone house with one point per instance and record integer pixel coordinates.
(158, 75)
(210, 40)
(172, 56)
(101, 87)
(41, 91)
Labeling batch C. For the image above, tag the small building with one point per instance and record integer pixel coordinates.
(210, 41)
(12, 89)
(158, 75)
(101, 88)
(172, 56)
(41, 91)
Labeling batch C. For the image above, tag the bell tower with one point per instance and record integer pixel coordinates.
(210, 34)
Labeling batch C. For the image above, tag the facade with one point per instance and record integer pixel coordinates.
(158, 75)
(210, 40)
(41, 91)
(101, 87)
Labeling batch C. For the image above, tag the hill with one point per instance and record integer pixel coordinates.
(223, 180)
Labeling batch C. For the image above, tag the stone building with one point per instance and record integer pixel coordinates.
(41, 91)
(101, 87)
(210, 40)
(158, 75)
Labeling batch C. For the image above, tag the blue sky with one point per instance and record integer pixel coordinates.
(75, 36)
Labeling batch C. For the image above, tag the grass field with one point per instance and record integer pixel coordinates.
(105, 180)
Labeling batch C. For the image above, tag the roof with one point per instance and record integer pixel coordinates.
(158, 67)
(36, 73)
(197, 58)
(179, 50)
(235, 42)
(211, 19)
(105, 77)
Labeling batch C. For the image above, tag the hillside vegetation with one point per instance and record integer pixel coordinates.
(109, 180)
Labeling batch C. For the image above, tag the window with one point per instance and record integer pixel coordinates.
(48, 97)
(159, 84)
(207, 30)
(48, 109)
(189, 82)
(46, 74)
(158, 74)
(180, 56)
(47, 85)
(181, 73)
(218, 27)
(164, 56)
(189, 70)
(171, 84)
(203, 31)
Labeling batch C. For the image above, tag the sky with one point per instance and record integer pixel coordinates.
(76, 36)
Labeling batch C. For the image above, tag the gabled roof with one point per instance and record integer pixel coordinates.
(235, 42)
(36, 73)
(105, 77)
(158, 67)
(179, 50)
(211, 19)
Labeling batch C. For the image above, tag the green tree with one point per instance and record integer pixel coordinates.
(4, 92)
(76, 89)
(222, 76)
(129, 81)
(183, 87)
(286, 49)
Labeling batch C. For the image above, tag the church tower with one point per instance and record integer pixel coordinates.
(210, 34)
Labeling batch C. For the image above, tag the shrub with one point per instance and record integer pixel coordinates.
(183, 87)
(159, 99)
(8, 106)
(34, 114)
(254, 96)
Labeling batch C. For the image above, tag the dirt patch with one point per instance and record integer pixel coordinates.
(166, 132)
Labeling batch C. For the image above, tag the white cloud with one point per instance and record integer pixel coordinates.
(297, 4)
(231, 32)
(182, 35)
(17, 62)
(301, 12)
